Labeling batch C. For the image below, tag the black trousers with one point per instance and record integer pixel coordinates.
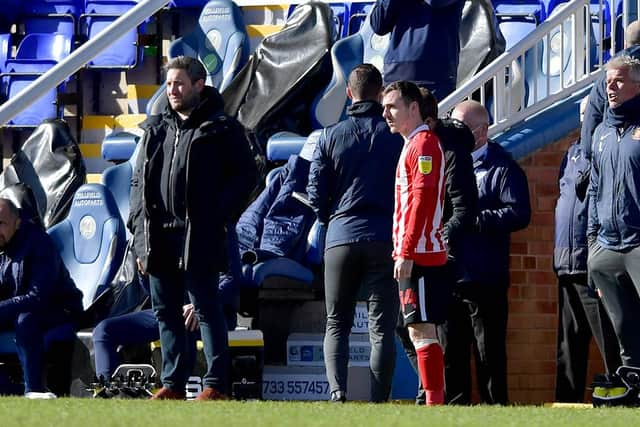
(477, 319)
(617, 276)
(347, 269)
(581, 315)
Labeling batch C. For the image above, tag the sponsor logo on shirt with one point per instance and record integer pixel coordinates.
(425, 164)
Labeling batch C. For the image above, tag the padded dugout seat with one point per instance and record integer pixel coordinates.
(219, 41)
(118, 180)
(91, 240)
(330, 105)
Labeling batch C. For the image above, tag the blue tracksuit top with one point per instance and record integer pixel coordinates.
(614, 189)
(570, 251)
(352, 176)
(424, 45)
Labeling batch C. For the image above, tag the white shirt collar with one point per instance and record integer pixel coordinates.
(420, 128)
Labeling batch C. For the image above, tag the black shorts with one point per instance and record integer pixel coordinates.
(425, 297)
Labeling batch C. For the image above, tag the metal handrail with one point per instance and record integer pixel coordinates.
(506, 75)
(78, 58)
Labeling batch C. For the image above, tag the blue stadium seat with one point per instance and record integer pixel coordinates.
(517, 19)
(219, 40)
(118, 180)
(187, 4)
(364, 46)
(549, 57)
(35, 55)
(357, 16)
(329, 107)
(341, 17)
(123, 53)
(278, 273)
(603, 27)
(91, 240)
(41, 46)
(51, 16)
(5, 52)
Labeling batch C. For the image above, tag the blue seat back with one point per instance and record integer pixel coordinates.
(364, 46)
(123, 53)
(517, 19)
(5, 50)
(357, 16)
(118, 180)
(91, 240)
(341, 15)
(315, 244)
(51, 16)
(46, 106)
(44, 46)
(219, 40)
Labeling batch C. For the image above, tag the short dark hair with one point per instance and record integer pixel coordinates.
(13, 208)
(194, 68)
(429, 106)
(409, 92)
(365, 82)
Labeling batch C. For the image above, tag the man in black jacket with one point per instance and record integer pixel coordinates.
(192, 179)
(478, 314)
(460, 200)
(351, 188)
(36, 291)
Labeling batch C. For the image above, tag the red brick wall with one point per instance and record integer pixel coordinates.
(531, 336)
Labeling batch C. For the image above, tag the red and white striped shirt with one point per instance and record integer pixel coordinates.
(419, 200)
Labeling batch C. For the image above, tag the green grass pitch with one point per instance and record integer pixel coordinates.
(15, 411)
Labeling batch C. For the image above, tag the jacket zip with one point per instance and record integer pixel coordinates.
(172, 208)
(614, 218)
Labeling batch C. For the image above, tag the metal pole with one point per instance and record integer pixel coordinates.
(77, 59)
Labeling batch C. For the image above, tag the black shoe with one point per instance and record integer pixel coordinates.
(338, 396)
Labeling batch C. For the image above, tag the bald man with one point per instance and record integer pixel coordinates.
(478, 313)
(36, 292)
(581, 314)
(597, 105)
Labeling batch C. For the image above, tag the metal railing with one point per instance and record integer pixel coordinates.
(560, 57)
(79, 58)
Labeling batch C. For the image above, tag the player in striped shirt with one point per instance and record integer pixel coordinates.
(419, 252)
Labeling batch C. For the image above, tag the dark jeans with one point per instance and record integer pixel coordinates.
(128, 329)
(477, 317)
(31, 333)
(347, 269)
(617, 276)
(581, 315)
(167, 297)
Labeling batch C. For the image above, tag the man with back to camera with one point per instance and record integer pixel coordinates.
(419, 250)
(192, 179)
(36, 291)
(424, 45)
(460, 201)
(351, 190)
(613, 231)
(479, 310)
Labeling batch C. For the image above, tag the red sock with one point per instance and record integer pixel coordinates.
(431, 368)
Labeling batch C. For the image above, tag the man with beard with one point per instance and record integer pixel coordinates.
(192, 179)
